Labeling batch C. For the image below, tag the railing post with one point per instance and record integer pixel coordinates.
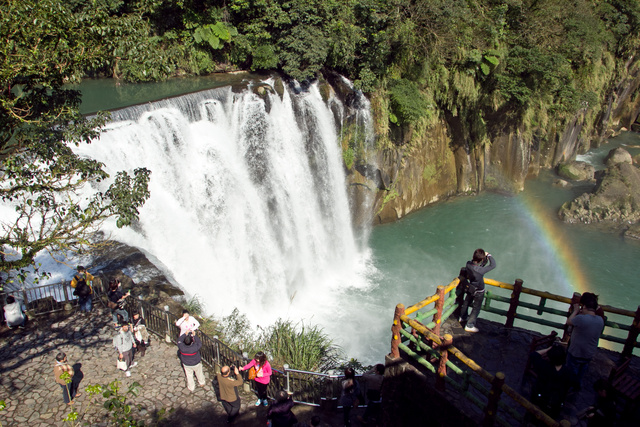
(437, 318)
(167, 336)
(286, 371)
(632, 338)
(494, 397)
(575, 299)
(447, 340)
(217, 343)
(395, 330)
(513, 304)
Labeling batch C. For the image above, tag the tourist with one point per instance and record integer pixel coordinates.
(125, 343)
(263, 375)
(69, 389)
(603, 412)
(229, 396)
(279, 413)
(587, 327)
(140, 334)
(373, 379)
(349, 397)
(187, 323)
(82, 285)
(189, 345)
(14, 314)
(116, 302)
(554, 379)
(476, 269)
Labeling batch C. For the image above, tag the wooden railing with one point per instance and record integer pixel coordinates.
(499, 402)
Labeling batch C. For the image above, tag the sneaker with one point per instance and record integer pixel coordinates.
(133, 365)
(258, 402)
(471, 329)
(265, 402)
(460, 320)
(127, 373)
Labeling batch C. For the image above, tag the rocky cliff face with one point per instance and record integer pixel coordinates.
(443, 162)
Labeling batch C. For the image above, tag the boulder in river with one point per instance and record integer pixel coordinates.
(615, 199)
(576, 171)
(618, 155)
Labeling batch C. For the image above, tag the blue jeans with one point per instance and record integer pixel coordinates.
(85, 303)
(121, 312)
(578, 365)
(475, 300)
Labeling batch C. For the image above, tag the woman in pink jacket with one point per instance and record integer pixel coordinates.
(263, 376)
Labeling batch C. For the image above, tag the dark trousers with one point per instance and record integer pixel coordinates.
(141, 347)
(68, 391)
(475, 300)
(261, 389)
(232, 409)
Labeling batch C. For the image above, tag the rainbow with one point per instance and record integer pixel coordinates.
(549, 230)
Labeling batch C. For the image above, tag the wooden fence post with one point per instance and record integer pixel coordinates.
(494, 397)
(632, 338)
(575, 299)
(447, 340)
(395, 330)
(513, 304)
(437, 318)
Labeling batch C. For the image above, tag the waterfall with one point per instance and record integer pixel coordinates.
(248, 203)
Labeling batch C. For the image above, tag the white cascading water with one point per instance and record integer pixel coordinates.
(248, 203)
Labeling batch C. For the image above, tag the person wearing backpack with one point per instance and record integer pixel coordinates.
(81, 283)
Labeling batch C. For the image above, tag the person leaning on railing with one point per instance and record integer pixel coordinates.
(82, 285)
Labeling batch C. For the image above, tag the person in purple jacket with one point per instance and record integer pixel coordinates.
(476, 269)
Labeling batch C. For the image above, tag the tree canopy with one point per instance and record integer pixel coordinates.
(43, 47)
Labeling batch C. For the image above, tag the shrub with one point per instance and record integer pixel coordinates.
(408, 103)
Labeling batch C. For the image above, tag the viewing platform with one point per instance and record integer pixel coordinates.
(482, 374)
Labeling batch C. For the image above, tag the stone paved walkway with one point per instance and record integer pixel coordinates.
(33, 398)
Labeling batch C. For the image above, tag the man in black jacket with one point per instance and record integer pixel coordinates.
(476, 269)
(189, 345)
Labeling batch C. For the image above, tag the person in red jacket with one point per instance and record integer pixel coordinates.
(263, 376)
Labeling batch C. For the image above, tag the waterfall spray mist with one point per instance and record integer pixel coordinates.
(248, 202)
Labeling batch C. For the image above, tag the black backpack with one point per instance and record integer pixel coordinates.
(82, 289)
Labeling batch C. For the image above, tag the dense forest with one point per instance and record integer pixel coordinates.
(479, 65)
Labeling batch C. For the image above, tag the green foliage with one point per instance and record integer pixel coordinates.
(116, 403)
(264, 58)
(43, 47)
(237, 332)
(348, 156)
(301, 347)
(194, 305)
(356, 365)
(408, 103)
(214, 34)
